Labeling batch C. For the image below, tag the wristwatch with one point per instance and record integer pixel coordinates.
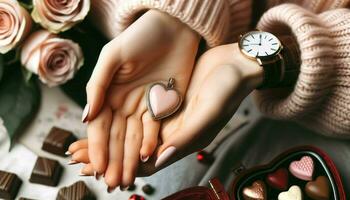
(266, 49)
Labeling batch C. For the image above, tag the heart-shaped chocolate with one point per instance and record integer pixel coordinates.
(162, 101)
(255, 192)
(302, 169)
(294, 193)
(278, 179)
(318, 189)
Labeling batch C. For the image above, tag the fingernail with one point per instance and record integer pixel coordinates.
(85, 113)
(82, 174)
(96, 175)
(68, 153)
(123, 188)
(164, 156)
(110, 189)
(72, 162)
(144, 158)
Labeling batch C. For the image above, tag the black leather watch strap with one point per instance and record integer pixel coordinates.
(284, 72)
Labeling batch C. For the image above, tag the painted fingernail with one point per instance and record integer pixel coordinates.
(82, 174)
(72, 162)
(68, 153)
(123, 188)
(110, 189)
(85, 113)
(97, 175)
(144, 158)
(164, 156)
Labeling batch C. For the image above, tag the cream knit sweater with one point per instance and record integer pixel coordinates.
(321, 97)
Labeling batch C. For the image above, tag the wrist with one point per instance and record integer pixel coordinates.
(174, 26)
(251, 72)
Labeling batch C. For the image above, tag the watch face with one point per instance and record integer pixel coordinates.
(259, 44)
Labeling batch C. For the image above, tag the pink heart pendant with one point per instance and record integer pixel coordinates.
(302, 169)
(163, 100)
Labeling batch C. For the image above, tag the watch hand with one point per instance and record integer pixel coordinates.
(260, 39)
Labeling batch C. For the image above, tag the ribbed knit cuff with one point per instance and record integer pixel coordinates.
(240, 18)
(210, 18)
(316, 76)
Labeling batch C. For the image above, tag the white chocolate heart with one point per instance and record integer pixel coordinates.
(163, 101)
(294, 193)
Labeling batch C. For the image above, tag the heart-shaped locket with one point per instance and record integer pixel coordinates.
(257, 191)
(302, 169)
(163, 100)
(294, 193)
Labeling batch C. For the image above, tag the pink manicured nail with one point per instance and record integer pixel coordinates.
(144, 158)
(110, 189)
(123, 188)
(72, 162)
(68, 153)
(85, 113)
(164, 156)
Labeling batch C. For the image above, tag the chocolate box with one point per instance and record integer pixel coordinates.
(306, 171)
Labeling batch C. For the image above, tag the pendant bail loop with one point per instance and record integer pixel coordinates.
(171, 83)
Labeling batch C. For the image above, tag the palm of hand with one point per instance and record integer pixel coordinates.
(122, 128)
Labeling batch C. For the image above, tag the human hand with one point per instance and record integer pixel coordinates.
(120, 129)
(222, 78)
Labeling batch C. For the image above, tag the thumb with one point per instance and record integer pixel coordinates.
(108, 63)
(174, 147)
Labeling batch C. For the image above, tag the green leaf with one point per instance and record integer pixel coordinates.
(19, 100)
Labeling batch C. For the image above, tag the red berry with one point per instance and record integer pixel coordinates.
(136, 197)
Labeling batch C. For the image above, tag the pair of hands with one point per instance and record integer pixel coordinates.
(123, 140)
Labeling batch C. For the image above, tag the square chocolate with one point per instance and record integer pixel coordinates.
(9, 185)
(58, 141)
(46, 172)
(76, 191)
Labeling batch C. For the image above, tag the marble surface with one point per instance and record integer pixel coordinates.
(56, 110)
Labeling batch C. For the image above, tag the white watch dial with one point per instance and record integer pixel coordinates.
(260, 44)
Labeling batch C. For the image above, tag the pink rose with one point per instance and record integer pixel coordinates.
(15, 24)
(59, 15)
(53, 59)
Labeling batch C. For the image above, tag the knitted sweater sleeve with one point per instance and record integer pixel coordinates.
(321, 97)
(210, 18)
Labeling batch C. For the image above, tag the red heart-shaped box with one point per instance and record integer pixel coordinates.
(324, 166)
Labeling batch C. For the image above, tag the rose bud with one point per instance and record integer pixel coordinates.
(15, 24)
(53, 59)
(57, 15)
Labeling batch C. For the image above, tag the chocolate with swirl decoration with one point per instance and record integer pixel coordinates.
(9, 185)
(46, 172)
(77, 191)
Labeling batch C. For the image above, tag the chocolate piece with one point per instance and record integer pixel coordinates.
(46, 172)
(278, 179)
(136, 197)
(148, 189)
(318, 189)
(58, 141)
(76, 191)
(9, 185)
(23, 198)
(257, 191)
